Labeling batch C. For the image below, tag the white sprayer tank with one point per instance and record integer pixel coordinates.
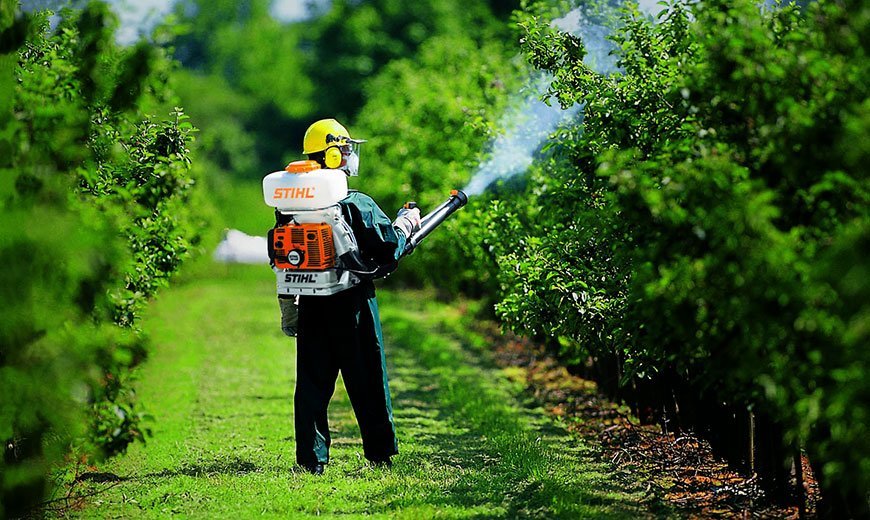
(304, 187)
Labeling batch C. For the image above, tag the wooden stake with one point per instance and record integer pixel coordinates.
(751, 443)
(751, 448)
(799, 484)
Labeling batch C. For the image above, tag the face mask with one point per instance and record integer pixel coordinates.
(352, 166)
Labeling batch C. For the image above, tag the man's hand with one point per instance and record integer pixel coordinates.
(408, 220)
(289, 315)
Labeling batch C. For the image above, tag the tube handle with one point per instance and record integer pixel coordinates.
(434, 219)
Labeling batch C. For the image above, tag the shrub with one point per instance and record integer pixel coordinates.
(93, 199)
(690, 232)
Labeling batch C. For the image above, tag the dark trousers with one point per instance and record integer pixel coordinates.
(336, 333)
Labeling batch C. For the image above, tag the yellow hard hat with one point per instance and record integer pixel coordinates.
(325, 133)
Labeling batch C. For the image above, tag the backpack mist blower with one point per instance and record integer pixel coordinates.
(312, 249)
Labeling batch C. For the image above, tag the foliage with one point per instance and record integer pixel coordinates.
(254, 85)
(352, 41)
(402, 75)
(702, 228)
(94, 202)
(424, 142)
(246, 84)
(695, 221)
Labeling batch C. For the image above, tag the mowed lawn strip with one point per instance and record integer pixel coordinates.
(219, 382)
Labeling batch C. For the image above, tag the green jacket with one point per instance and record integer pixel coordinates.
(379, 242)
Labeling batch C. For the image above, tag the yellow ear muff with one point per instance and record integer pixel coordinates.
(332, 157)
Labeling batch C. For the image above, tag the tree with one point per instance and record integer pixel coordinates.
(94, 201)
(684, 232)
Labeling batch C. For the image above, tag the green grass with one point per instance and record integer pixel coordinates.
(220, 384)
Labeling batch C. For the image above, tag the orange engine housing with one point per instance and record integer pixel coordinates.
(303, 246)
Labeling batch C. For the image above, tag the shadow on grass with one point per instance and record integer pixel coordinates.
(229, 466)
(344, 432)
(282, 398)
(498, 456)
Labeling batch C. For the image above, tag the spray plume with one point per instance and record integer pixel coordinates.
(528, 120)
(525, 125)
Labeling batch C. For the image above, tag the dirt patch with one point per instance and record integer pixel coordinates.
(678, 468)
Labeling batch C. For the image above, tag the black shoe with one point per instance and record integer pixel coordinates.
(382, 463)
(314, 469)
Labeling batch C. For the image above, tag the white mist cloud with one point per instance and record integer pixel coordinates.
(529, 121)
(525, 125)
(238, 247)
(598, 47)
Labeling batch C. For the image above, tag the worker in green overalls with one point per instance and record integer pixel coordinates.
(342, 332)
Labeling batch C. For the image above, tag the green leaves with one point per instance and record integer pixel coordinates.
(424, 143)
(94, 203)
(697, 202)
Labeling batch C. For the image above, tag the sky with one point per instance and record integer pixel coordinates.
(650, 6)
(138, 17)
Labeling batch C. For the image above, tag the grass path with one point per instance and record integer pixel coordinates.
(220, 384)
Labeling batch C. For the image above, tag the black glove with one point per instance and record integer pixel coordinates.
(289, 315)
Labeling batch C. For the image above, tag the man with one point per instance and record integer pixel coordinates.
(342, 332)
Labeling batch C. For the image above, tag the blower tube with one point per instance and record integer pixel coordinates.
(434, 219)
